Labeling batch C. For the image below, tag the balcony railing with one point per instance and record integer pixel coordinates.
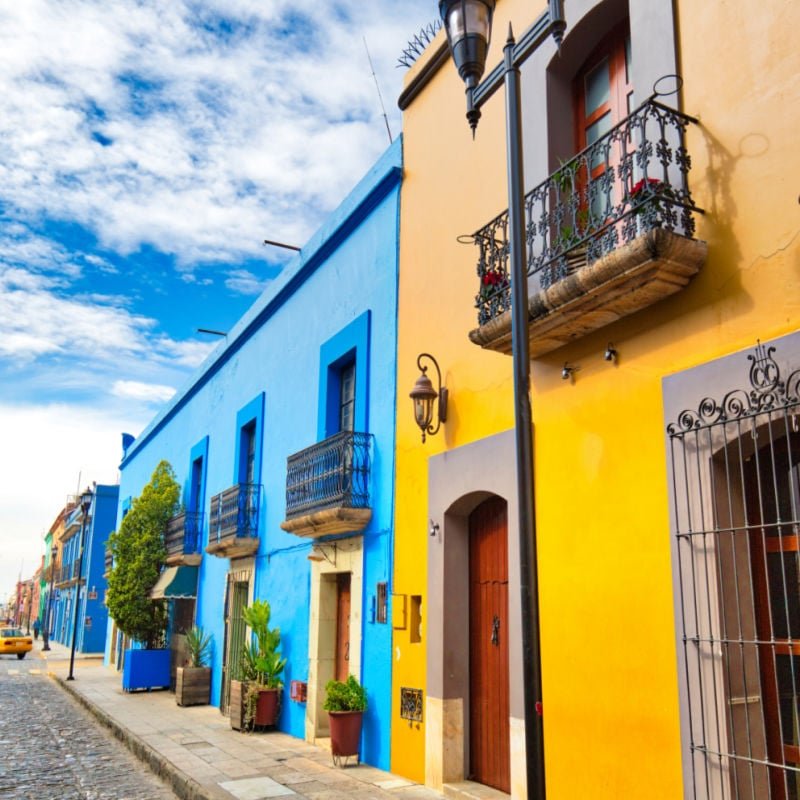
(234, 517)
(631, 181)
(328, 481)
(67, 573)
(182, 537)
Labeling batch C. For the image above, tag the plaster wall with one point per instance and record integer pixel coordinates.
(347, 269)
(611, 694)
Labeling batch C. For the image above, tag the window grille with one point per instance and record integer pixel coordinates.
(381, 604)
(736, 499)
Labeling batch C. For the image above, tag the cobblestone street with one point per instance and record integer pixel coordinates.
(52, 749)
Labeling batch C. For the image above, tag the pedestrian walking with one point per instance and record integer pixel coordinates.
(37, 626)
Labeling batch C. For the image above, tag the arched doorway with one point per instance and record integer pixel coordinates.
(489, 740)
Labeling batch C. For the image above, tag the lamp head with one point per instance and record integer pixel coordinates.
(423, 394)
(468, 24)
(86, 500)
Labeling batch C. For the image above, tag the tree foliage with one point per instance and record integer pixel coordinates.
(139, 554)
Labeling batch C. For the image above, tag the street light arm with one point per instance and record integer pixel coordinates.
(545, 26)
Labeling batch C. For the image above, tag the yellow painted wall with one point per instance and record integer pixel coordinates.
(608, 649)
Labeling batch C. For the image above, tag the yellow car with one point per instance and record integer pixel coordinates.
(14, 641)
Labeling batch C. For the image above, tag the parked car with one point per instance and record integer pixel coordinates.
(14, 641)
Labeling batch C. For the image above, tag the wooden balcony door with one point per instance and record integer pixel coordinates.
(603, 97)
(490, 759)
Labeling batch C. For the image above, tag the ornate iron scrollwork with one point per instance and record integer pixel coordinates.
(767, 392)
(576, 215)
(411, 704)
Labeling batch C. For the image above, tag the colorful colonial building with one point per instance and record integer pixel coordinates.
(662, 247)
(284, 445)
(83, 581)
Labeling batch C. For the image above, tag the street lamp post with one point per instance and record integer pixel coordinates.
(468, 24)
(49, 606)
(86, 501)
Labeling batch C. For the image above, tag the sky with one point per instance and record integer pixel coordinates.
(147, 148)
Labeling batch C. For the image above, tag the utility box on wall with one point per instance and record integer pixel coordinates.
(298, 691)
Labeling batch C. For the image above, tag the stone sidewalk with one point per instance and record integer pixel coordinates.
(195, 751)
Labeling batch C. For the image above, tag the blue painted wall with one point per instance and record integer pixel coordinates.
(338, 293)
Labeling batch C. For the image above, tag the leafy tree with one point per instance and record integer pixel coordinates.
(139, 554)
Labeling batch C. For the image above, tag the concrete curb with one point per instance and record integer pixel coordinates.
(185, 787)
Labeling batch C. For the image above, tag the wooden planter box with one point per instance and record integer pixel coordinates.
(193, 686)
(236, 708)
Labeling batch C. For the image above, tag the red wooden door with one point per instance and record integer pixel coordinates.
(342, 626)
(488, 636)
(603, 97)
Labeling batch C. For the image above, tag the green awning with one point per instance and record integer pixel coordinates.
(175, 583)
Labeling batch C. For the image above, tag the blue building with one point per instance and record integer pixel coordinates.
(90, 582)
(284, 444)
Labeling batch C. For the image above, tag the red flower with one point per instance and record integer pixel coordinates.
(652, 183)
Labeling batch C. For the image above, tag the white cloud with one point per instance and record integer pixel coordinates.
(243, 281)
(213, 142)
(149, 392)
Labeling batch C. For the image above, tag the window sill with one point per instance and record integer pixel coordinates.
(329, 521)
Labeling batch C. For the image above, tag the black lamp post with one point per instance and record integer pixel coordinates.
(86, 502)
(48, 607)
(469, 27)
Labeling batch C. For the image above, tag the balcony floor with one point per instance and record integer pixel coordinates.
(329, 521)
(653, 266)
(233, 547)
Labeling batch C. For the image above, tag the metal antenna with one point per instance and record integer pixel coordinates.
(378, 88)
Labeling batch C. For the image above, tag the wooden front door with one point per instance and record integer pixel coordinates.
(342, 668)
(490, 760)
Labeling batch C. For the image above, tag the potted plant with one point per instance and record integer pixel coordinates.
(261, 668)
(193, 681)
(345, 702)
(138, 554)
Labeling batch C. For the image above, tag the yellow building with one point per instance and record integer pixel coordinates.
(667, 541)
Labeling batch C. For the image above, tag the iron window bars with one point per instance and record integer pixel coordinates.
(411, 704)
(631, 180)
(333, 473)
(736, 497)
(234, 513)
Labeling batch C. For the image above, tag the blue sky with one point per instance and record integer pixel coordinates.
(147, 148)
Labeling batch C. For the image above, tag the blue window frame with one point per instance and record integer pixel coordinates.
(249, 439)
(344, 380)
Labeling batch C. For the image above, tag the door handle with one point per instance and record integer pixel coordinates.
(347, 651)
(496, 630)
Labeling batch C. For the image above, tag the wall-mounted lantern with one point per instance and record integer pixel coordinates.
(423, 394)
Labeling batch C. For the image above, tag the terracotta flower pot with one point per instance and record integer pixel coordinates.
(267, 707)
(345, 732)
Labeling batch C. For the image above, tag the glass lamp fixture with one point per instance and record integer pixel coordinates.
(424, 395)
(468, 24)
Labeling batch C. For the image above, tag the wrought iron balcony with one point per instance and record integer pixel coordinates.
(327, 486)
(233, 521)
(182, 538)
(66, 574)
(607, 234)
